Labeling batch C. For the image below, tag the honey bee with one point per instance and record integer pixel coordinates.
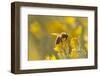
(61, 37)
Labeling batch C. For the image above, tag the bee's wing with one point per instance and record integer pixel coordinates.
(58, 39)
(54, 34)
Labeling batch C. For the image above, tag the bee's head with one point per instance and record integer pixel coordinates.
(63, 36)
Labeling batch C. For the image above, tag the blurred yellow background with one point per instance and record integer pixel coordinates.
(43, 31)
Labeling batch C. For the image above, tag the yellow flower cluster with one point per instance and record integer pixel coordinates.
(62, 49)
(69, 48)
(74, 54)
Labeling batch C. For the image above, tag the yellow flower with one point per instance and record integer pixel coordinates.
(70, 20)
(74, 54)
(61, 55)
(35, 27)
(52, 57)
(85, 37)
(58, 48)
(47, 57)
(36, 30)
(77, 31)
(56, 26)
(73, 42)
